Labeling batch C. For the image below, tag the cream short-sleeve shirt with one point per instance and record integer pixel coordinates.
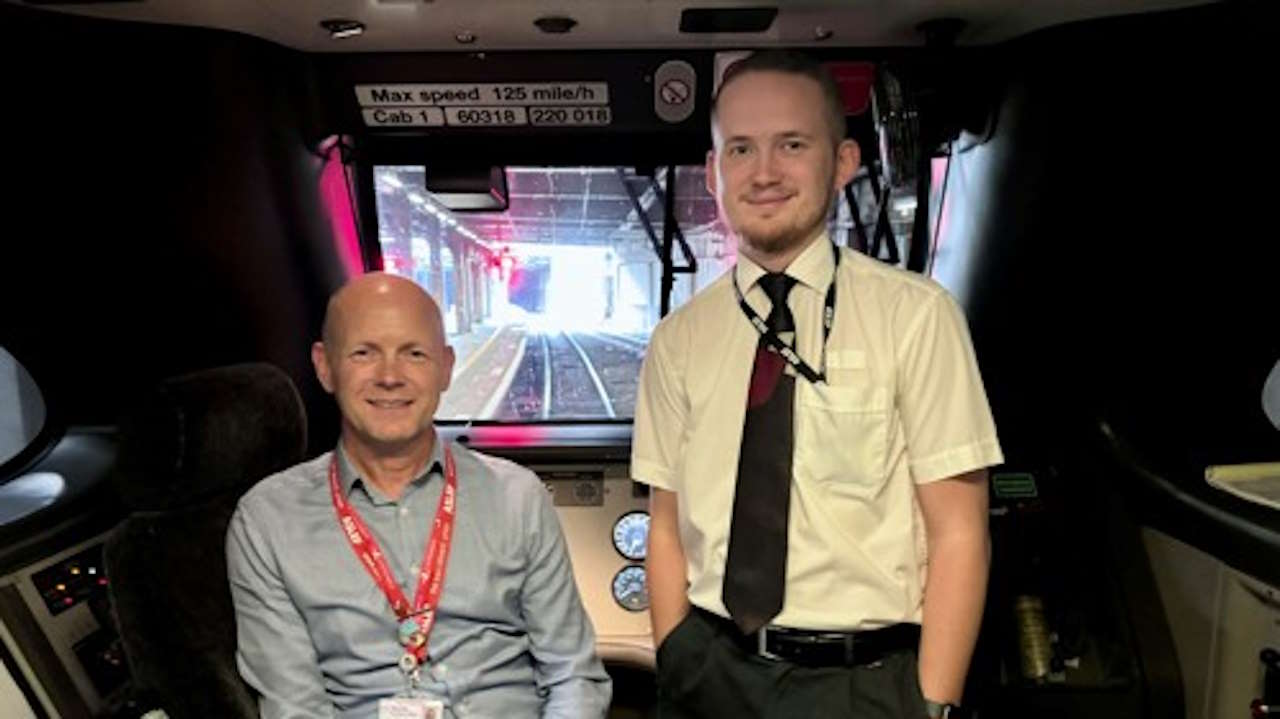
(903, 405)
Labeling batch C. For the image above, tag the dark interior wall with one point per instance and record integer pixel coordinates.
(161, 213)
(1115, 244)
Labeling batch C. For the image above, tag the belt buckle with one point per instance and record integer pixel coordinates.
(762, 645)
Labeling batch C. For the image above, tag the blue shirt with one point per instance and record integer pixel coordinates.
(317, 638)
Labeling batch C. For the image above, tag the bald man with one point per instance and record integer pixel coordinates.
(397, 576)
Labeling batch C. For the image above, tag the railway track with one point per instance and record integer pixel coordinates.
(573, 376)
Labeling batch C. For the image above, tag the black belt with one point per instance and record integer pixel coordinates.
(820, 648)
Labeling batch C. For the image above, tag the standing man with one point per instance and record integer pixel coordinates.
(398, 576)
(816, 436)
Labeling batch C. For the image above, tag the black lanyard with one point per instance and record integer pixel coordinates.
(787, 351)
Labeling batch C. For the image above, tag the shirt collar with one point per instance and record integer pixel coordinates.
(813, 268)
(348, 475)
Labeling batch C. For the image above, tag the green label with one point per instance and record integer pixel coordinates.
(1014, 486)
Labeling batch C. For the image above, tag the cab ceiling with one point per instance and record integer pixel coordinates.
(434, 25)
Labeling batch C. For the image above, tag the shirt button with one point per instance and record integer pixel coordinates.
(404, 511)
(445, 670)
(413, 568)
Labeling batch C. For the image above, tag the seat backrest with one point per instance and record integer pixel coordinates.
(187, 453)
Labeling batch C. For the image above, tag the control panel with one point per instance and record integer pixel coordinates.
(604, 515)
(79, 578)
(56, 621)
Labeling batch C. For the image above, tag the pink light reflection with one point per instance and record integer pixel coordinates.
(335, 194)
(522, 435)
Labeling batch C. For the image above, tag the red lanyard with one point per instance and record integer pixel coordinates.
(416, 623)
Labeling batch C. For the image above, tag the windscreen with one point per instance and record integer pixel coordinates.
(549, 304)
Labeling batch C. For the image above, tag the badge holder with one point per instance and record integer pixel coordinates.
(412, 703)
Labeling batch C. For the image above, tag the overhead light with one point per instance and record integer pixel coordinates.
(392, 180)
(555, 24)
(731, 19)
(465, 37)
(342, 28)
(941, 32)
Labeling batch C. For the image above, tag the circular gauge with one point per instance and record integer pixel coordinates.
(631, 535)
(629, 590)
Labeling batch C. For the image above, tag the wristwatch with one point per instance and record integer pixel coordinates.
(945, 710)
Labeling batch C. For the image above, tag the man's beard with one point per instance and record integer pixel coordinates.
(785, 238)
(778, 241)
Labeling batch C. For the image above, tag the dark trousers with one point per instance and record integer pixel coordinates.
(704, 674)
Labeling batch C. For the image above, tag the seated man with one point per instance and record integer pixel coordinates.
(398, 576)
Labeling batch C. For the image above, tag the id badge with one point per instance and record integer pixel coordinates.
(410, 708)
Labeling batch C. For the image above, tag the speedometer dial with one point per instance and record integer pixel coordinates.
(629, 589)
(631, 535)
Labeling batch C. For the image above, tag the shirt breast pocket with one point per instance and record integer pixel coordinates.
(842, 435)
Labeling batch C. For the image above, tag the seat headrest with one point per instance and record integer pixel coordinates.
(206, 433)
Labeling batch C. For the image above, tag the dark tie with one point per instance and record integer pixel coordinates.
(756, 567)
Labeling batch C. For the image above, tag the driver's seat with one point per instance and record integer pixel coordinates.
(187, 453)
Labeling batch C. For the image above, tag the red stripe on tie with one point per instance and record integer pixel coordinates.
(764, 376)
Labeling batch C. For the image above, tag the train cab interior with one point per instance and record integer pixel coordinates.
(190, 181)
